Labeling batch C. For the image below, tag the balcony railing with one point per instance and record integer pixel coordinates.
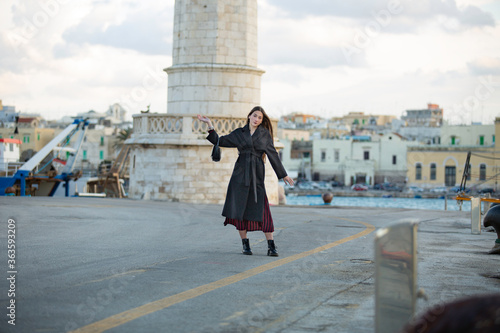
(185, 125)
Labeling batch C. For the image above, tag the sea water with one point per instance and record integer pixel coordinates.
(409, 203)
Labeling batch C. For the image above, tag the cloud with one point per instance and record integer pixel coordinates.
(473, 16)
(340, 33)
(8, 62)
(311, 56)
(484, 66)
(132, 27)
(313, 42)
(412, 12)
(92, 53)
(337, 8)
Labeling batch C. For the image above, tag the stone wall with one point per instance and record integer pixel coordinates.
(186, 173)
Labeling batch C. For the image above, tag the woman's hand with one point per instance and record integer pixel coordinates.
(205, 119)
(288, 180)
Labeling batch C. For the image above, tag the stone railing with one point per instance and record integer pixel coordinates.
(157, 124)
(185, 125)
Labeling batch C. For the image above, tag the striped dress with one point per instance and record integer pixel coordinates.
(265, 226)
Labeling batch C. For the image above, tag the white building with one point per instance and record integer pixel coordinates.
(468, 135)
(7, 115)
(9, 152)
(97, 147)
(352, 159)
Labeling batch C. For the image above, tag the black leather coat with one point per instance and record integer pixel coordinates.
(246, 190)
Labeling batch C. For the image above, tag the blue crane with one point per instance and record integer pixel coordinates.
(26, 170)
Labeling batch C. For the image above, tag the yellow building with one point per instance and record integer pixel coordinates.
(31, 137)
(293, 134)
(361, 119)
(436, 166)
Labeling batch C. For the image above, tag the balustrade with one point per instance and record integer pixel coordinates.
(161, 124)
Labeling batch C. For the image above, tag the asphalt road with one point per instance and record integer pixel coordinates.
(94, 265)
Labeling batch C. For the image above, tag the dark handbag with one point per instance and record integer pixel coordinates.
(216, 152)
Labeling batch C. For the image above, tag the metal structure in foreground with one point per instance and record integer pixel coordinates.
(395, 276)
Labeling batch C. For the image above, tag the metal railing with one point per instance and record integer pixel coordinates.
(9, 168)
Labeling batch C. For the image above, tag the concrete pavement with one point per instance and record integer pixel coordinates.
(94, 265)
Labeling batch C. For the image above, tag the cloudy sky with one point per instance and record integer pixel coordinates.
(324, 57)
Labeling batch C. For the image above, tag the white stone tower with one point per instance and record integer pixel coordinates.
(214, 68)
(214, 72)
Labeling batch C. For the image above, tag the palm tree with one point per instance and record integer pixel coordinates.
(123, 135)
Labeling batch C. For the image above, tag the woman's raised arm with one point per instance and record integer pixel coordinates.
(206, 120)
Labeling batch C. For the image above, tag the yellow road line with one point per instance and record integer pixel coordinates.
(129, 315)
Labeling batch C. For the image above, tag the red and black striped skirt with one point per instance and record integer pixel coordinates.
(265, 226)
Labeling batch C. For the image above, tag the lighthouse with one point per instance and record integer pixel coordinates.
(214, 72)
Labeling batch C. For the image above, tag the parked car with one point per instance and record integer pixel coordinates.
(485, 190)
(440, 189)
(393, 187)
(387, 187)
(322, 185)
(359, 187)
(304, 185)
(335, 183)
(456, 189)
(415, 189)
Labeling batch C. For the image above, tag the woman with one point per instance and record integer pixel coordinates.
(246, 205)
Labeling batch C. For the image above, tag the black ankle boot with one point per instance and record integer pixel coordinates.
(271, 251)
(246, 246)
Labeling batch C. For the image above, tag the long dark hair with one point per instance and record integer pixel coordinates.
(266, 122)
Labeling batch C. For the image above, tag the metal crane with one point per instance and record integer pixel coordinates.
(66, 174)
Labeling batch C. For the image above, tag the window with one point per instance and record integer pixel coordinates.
(453, 139)
(11, 147)
(433, 171)
(482, 172)
(394, 159)
(101, 154)
(418, 171)
(337, 155)
(450, 176)
(306, 154)
(481, 140)
(84, 155)
(26, 139)
(102, 141)
(38, 137)
(366, 155)
(323, 156)
(493, 138)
